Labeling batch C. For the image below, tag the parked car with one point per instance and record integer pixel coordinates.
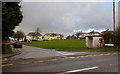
(17, 44)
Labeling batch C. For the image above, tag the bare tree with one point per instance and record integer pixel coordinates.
(19, 34)
(61, 36)
(78, 34)
(68, 37)
(37, 31)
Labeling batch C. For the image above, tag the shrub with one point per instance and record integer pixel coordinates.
(117, 36)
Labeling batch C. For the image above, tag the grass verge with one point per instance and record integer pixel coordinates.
(67, 45)
(7, 55)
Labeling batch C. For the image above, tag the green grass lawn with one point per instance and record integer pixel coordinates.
(67, 45)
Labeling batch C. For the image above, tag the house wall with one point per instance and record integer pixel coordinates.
(28, 37)
(31, 38)
(15, 39)
(51, 38)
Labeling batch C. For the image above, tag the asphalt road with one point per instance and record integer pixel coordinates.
(88, 63)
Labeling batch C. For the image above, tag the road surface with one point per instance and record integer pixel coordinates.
(89, 63)
(35, 52)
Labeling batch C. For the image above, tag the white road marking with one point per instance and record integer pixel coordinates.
(94, 55)
(115, 53)
(35, 61)
(110, 64)
(53, 59)
(84, 69)
(66, 53)
(24, 63)
(65, 56)
(82, 56)
(101, 54)
(85, 56)
(71, 57)
(109, 54)
(7, 65)
(89, 56)
(38, 61)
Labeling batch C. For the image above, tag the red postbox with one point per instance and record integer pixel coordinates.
(100, 40)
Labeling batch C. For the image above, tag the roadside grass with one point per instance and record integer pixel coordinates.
(67, 45)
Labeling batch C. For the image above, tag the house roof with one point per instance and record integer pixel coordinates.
(34, 33)
(51, 34)
(94, 32)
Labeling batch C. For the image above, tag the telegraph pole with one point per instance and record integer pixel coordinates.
(114, 15)
(114, 20)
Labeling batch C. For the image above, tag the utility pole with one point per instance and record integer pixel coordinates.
(114, 14)
(114, 20)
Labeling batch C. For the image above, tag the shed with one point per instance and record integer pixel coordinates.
(92, 41)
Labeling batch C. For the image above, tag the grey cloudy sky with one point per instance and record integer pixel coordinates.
(65, 17)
